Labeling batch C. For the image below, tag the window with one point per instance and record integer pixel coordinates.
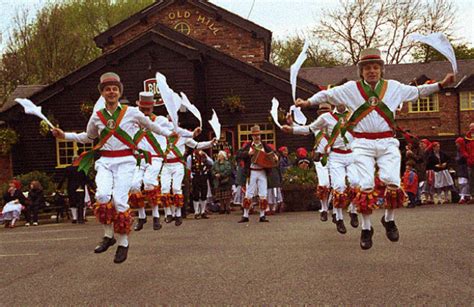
(467, 101)
(66, 150)
(425, 104)
(267, 130)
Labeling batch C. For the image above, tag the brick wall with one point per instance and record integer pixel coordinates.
(204, 27)
(6, 172)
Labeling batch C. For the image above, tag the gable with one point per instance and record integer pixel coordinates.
(200, 20)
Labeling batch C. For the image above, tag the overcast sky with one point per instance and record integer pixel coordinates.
(282, 17)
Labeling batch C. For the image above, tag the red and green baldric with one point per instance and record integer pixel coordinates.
(112, 128)
(150, 137)
(338, 130)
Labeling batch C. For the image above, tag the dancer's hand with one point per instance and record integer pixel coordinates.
(448, 80)
(58, 133)
(302, 103)
(197, 131)
(287, 129)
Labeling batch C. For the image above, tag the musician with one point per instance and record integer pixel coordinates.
(257, 174)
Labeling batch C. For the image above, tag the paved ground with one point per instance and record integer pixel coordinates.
(294, 259)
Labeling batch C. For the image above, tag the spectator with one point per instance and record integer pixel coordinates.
(438, 162)
(200, 165)
(302, 159)
(275, 199)
(427, 187)
(469, 141)
(285, 162)
(15, 201)
(410, 183)
(35, 202)
(462, 171)
(222, 171)
(415, 154)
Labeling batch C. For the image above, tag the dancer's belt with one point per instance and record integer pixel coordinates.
(116, 153)
(341, 151)
(257, 169)
(373, 135)
(174, 160)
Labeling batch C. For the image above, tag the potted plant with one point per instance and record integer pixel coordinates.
(233, 103)
(8, 137)
(298, 189)
(86, 109)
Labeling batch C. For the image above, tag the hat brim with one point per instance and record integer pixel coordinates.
(101, 86)
(145, 104)
(363, 62)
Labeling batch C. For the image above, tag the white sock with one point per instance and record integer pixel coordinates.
(108, 231)
(122, 240)
(339, 215)
(178, 212)
(246, 213)
(389, 215)
(196, 207)
(156, 211)
(167, 211)
(324, 205)
(12, 222)
(84, 211)
(74, 213)
(262, 213)
(173, 211)
(353, 208)
(141, 213)
(366, 224)
(203, 206)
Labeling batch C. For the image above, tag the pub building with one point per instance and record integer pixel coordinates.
(221, 61)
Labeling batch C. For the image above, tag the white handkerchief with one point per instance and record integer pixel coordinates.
(439, 42)
(295, 68)
(216, 126)
(274, 111)
(31, 108)
(192, 108)
(298, 114)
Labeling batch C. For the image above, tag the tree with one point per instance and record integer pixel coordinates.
(59, 40)
(384, 24)
(285, 52)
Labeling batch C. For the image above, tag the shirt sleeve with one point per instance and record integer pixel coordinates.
(146, 122)
(203, 145)
(184, 132)
(413, 93)
(89, 136)
(335, 96)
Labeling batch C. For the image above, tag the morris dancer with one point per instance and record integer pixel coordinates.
(256, 173)
(114, 126)
(374, 101)
(172, 174)
(146, 173)
(340, 161)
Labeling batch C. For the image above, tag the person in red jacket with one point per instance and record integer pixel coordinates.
(410, 183)
(469, 154)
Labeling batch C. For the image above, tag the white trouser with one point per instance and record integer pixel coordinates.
(147, 174)
(340, 167)
(323, 174)
(385, 152)
(258, 181)
(172, 172)
(114, 180)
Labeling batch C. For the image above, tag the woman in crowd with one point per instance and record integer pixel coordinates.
(462, 171)
(35, 202)
(15, 201)
(443, 182)
(427, 181)
(222, 171)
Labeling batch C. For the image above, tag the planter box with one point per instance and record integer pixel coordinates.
(300, 197)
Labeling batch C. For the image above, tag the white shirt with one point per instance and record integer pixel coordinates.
(164, 122)
(191, 143)
(326, 122)
(306, 130)
(396, 93)
(131, 122)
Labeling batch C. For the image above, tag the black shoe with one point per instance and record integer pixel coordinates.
(366, 238)
(341, 228)
(139, 225)
(244, 220)
(197, 216)
(169, 219)
(391, 230)
(104, 245)
(178, 221)
(411, 205)
(204, 216)
(121, 254)
(263, 219)
(334, 218)
(156, 223)
(324, 216)
(74, 221)
(354, 220)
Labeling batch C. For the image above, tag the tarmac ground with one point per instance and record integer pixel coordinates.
(294, 259)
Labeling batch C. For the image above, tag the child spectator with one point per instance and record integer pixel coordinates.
(410, 183)
(15, 201)
(35, 202)
(462, 171)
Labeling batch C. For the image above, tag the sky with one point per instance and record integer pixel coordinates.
(282, 17)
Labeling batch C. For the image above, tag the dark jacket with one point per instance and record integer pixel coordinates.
(7, 197)
(433, 160)
(36, 198)
(243, 154)
(75, 179)
(462, 169)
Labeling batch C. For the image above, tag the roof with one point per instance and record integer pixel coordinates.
(104, 38)
(22, 91)
(404, 73)
(189, 47)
